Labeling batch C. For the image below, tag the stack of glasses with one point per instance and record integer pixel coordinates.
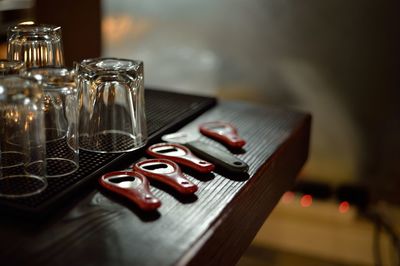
(48, 112)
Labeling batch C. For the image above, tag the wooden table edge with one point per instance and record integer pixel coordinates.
(213, 248)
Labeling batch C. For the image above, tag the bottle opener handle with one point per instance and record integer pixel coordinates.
(220, 158)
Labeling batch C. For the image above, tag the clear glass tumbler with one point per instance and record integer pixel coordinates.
(22, 138)
(111, 105)
(36, 45)
(60, 106)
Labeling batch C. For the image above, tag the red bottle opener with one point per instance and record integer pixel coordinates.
(179, 154)
(133, 186)
(167, 172)
(223, 132)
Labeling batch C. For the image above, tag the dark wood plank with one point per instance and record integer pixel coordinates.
(214, 227)
(229, 236)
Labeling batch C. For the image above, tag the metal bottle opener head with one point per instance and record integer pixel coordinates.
(179, 154)
(133, 186)
(179, 137)
(167, 172)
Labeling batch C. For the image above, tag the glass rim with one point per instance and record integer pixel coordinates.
(52, 71)
(62, 70)
(51, 76)
(10, 67)
(108, 65)
(34, 28)
(5, 63)
(41, 179)
(18, 78)
(13, 83)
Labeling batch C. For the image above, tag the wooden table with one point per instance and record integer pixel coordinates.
(212, 228)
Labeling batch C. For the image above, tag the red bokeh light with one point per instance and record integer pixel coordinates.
(306, 201)
(288, 197)
(344, 207)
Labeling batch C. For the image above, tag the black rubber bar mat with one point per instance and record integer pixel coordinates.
(165, 112)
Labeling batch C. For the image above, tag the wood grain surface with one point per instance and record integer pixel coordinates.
(213, 227)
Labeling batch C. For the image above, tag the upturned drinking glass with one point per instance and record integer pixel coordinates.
(60, 106)
(35, 45)
(111, 105)
(22, 138)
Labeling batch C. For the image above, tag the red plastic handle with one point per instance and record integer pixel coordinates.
(180, 154)
(167, 172)
(137, 190)
(223, 132)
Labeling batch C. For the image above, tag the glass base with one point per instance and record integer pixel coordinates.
(111, 141)
(55, 167)
(18, 186)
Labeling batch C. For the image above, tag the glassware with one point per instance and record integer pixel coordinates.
(36, 45)
(22, 138)
(60, 103)
(8, 67)
(111, 105)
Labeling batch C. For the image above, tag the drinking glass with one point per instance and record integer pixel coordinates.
(111, 105)
(22, 138)
(60, 105)
(36, 45)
